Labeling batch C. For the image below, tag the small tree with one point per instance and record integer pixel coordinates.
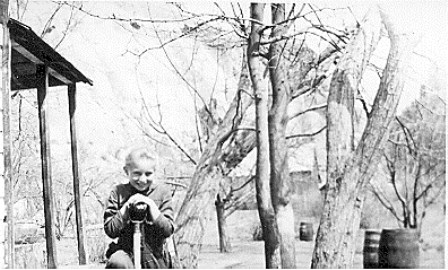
(414, 162)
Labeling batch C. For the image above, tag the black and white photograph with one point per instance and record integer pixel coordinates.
(223, 134)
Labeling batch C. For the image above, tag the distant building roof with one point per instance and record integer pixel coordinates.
(28, 50)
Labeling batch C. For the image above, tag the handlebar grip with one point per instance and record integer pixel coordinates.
(138, 212)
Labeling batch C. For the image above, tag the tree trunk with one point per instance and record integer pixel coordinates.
(197, 206)
(280, 181)
(224, 244)
(348, 174)
(335, 241)
(261, 91)
(216, 161)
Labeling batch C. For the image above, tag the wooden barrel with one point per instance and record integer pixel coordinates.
(370, 250)
(306, 231)
(398, 248)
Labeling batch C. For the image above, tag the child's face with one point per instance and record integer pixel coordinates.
(141, 173)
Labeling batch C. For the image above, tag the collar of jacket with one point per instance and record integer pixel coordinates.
(144, 192)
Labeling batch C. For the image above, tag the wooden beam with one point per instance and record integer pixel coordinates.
(32, 43)
(6, 129)
(59, 76)
(17, 47)
(42, 103)
(27, 54)
(76, 175)
(30, 82)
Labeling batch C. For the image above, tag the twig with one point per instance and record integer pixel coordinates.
(181, 76)
(385, 202)
(65, 32)
(49, 21)
(171, 138)
(251, 178)
(116, 18)
(176, 184)
(315, 108)
(306, 134)
(409, 139)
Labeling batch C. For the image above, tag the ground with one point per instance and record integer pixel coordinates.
(247, 253)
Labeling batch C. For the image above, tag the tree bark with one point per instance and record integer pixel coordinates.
(280, 181)
(348, 174)
(261, 92)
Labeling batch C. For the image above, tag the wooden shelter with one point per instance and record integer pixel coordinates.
(33, 64)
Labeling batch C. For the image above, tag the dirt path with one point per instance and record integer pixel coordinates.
(249, 254)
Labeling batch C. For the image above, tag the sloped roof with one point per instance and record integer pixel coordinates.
(28, 50)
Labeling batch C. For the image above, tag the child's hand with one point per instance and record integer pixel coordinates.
(153, 209)
(139, 198)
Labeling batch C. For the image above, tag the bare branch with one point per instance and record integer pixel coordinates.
(186, 33)
(181, 76)
(439, 192)
(310, 109)
(416, 181)
(409, 139)
(197, 120)
(171, 138)
(66, 30)
(392, 174)
(429, 186)
(308, 86)
(385, 201)
(128, 20)
(428, 109)
(48, 27)
(176, 184)
(306, 134)
(318, 18)
(251, 178)
(361, 98)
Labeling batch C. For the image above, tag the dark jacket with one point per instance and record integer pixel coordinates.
(155, 232)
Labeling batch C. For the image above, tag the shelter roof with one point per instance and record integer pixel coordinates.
(28, 51)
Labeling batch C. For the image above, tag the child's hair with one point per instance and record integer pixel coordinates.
(138, 153)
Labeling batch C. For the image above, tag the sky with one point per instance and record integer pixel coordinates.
(98, 52)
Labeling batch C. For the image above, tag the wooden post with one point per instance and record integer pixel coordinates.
(7, 254)
(42, 102)
(7, 174)
(76, 176)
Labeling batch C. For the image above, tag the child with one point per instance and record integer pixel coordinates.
(142, 187)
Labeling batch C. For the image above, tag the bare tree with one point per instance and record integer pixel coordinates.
(263, 171)
(236, 148)
(415, 163)
(349, 171)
